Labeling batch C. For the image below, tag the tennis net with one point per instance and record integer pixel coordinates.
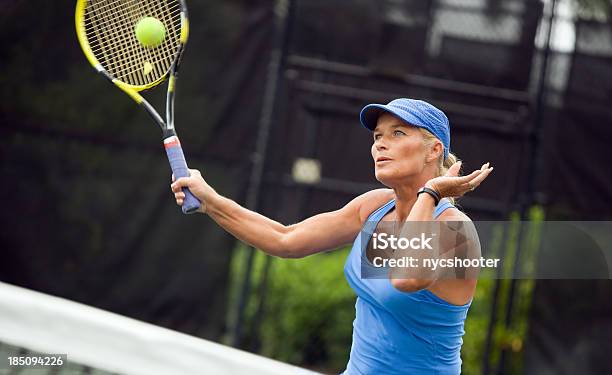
(34, 324)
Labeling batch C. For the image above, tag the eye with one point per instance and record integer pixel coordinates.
(377, 136)
(398, 132)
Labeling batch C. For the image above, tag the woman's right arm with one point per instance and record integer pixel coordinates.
(318, 233)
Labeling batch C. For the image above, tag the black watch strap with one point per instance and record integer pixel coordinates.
(434, 194)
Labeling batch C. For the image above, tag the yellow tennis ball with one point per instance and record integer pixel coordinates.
(150, 32)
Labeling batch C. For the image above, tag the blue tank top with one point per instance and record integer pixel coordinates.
(396, 332)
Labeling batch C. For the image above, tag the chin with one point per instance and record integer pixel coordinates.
(385, 178)
(391, 178)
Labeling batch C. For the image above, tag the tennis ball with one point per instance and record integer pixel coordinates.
(150, 32)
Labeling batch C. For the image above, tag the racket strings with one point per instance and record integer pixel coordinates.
(133, 12)
(161, 8)
(106, 28)
(109, 28)
(154, 56)
(116, 58)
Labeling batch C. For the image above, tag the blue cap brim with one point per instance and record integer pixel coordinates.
(370, 113)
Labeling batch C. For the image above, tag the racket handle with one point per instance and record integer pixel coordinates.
(179, 168)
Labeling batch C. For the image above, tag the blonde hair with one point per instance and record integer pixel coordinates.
(443, 163)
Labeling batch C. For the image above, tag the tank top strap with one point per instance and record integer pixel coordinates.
(372, 221)
(381, 211)
(442, 206)
(375, 216)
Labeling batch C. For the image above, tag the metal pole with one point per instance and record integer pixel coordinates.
(533, 171)
(486, 360)
(275, 67)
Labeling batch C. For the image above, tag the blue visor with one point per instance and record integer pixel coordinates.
(414, 112)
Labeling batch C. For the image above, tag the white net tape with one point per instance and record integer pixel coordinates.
(105, 341)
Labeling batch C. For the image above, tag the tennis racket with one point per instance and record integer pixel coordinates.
(106, 32)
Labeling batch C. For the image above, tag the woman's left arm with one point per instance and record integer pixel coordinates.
(449, 185)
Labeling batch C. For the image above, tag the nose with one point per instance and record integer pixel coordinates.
(379, 144)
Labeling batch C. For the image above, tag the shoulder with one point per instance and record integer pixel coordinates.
(458, 222)
(373, 200)
(453, 214)
(358, 209)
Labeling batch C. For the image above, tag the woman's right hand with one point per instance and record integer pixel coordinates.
(196, 184)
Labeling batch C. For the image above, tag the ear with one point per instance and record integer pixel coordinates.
(435, 151)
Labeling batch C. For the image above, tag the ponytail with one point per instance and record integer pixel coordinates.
(445, 166)
(443, 163)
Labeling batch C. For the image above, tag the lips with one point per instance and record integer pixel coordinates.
(382, 158)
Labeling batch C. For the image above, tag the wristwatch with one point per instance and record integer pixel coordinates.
(434, 194)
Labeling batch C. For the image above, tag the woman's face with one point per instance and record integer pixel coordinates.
(399, 150)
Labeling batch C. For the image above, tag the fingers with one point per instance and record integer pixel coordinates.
(484, 173)
(470, 177)
(453, 171)
(182, 182)
(473, 180)
(453, 186)
(179, 184)
(192, 182)
(467, 178)
(479, 176)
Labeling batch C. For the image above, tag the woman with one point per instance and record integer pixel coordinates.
(402, 325)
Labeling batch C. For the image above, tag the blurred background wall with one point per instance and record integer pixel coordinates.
(267, 108)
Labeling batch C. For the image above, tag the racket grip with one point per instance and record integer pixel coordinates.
(179, 168)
